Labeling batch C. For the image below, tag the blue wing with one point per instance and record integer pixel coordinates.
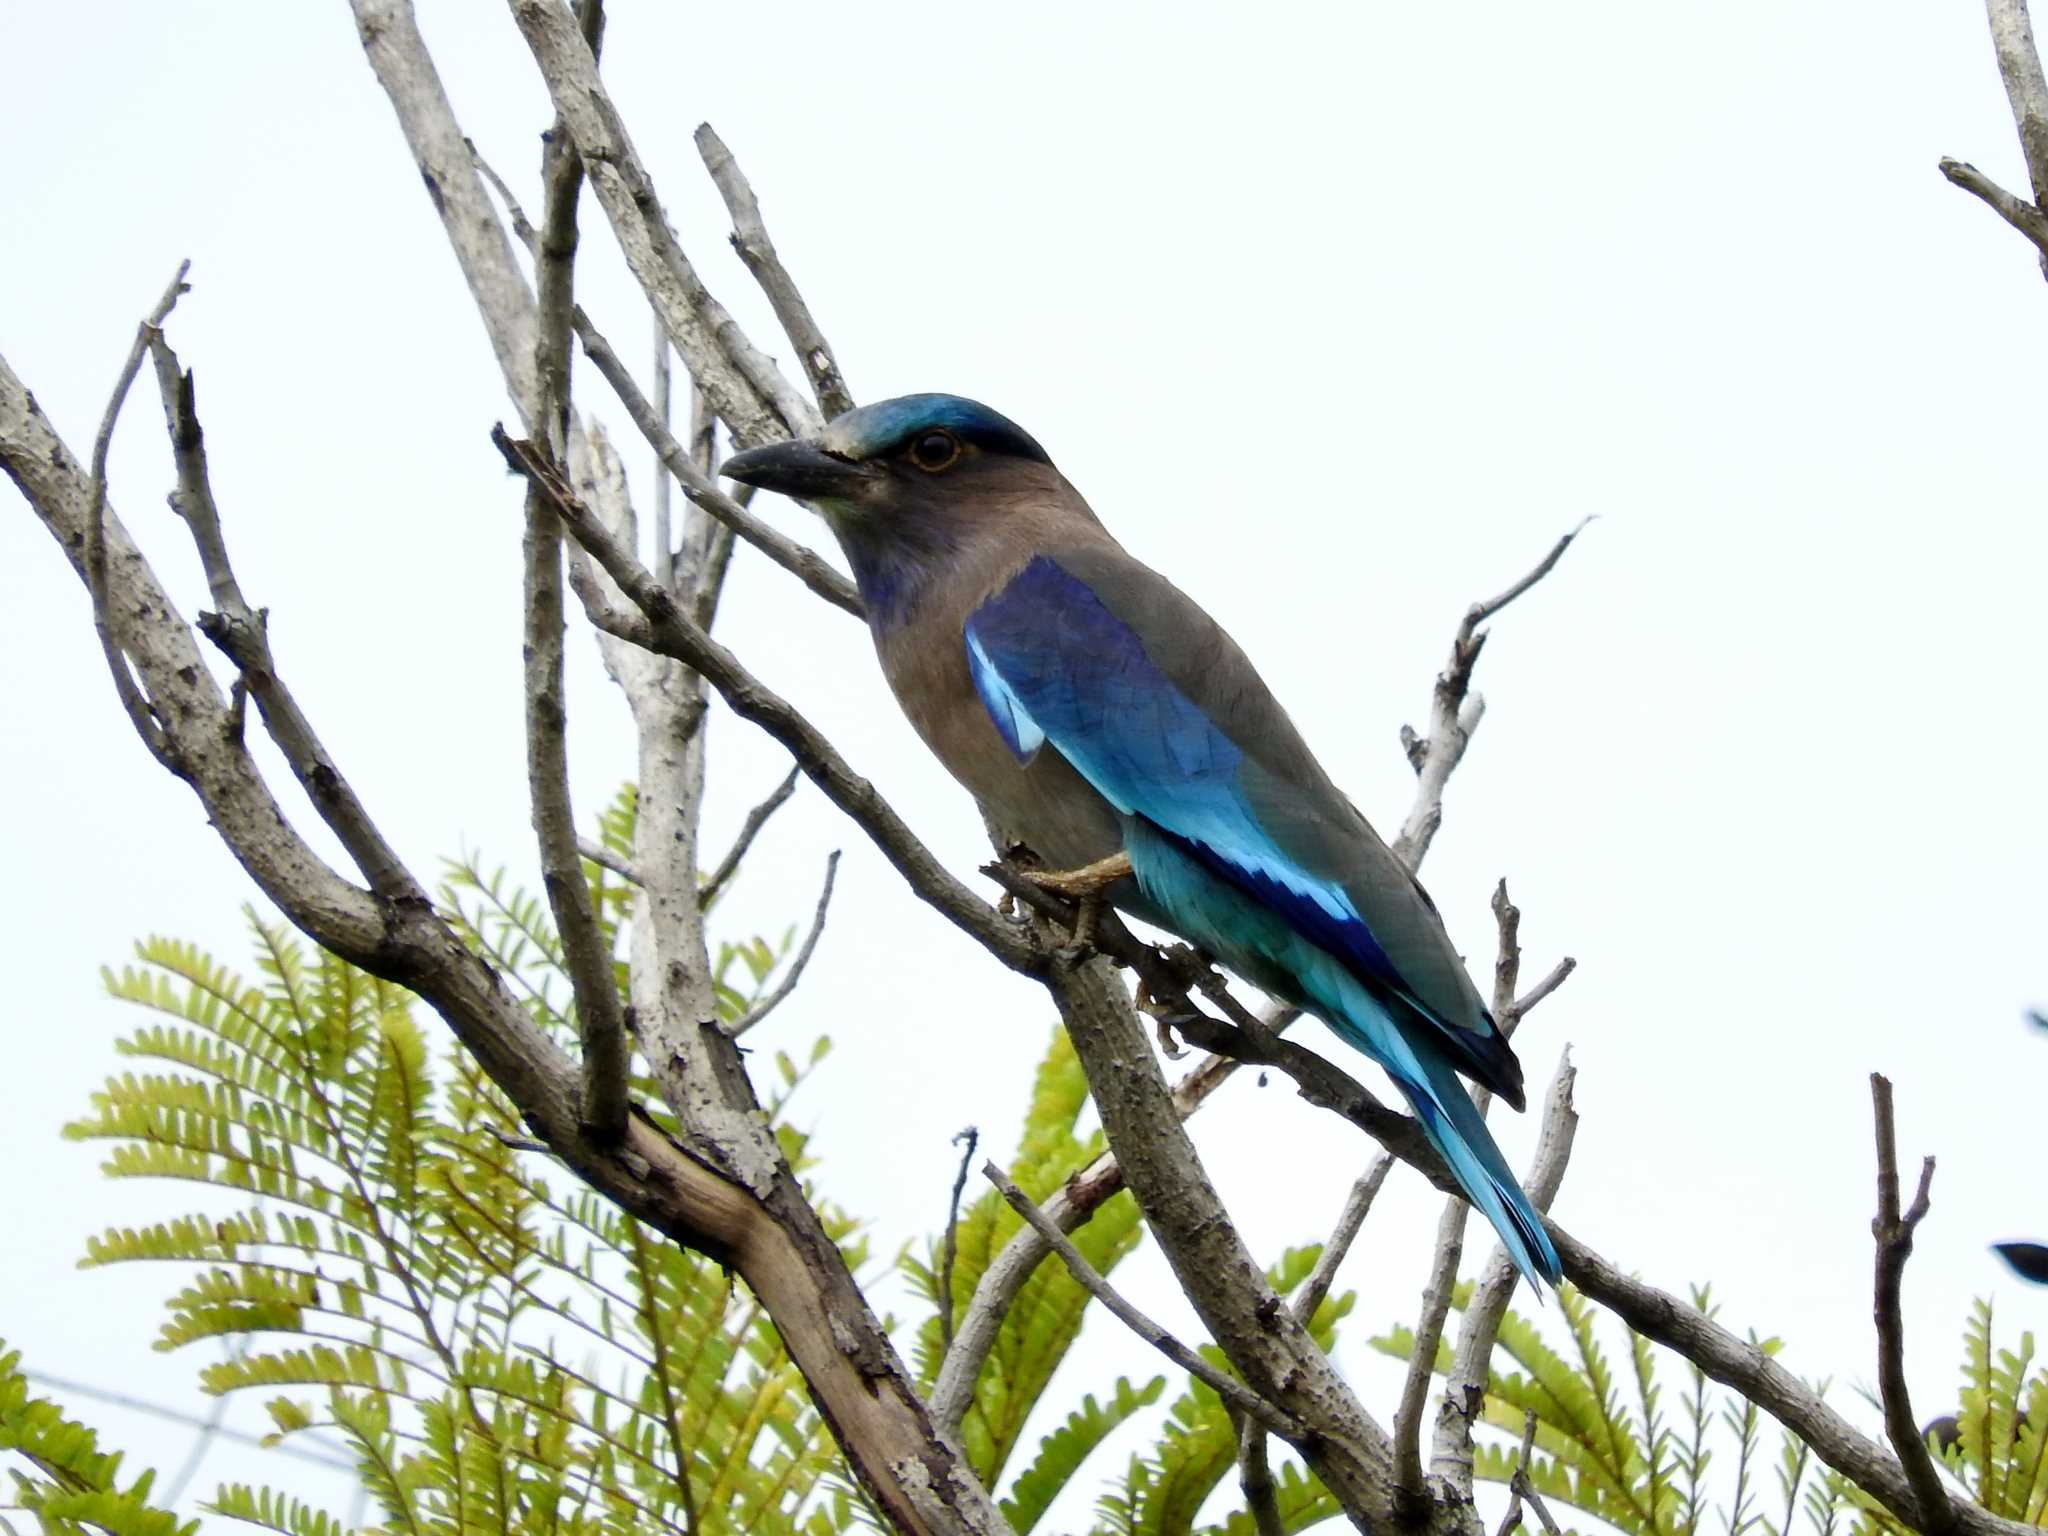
(1052, 663)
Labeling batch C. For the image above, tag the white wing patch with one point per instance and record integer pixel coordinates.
(1019, 731)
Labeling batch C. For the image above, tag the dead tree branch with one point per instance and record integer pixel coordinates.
(757, 818)
(795, 972)
(750, 239)
(587, 957)
(132, 702)
(757, 403)
(1233, 1392)
(1455, 713)
(2026, 90)
(1893, 1232)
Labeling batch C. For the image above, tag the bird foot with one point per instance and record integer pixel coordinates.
(1090, 880)
(1168, 1046)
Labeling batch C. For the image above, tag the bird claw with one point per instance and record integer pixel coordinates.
(1168, 1046)
(1082, 884)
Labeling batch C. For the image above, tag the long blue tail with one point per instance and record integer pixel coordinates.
(1451, 1121)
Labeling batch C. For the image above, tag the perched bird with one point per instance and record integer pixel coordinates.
(1106, 722)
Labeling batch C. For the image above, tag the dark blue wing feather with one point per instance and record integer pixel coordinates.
(1046, 651)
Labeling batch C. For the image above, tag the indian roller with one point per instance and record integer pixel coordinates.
(1107, 723)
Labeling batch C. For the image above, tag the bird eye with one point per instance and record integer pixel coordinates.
(934, 451)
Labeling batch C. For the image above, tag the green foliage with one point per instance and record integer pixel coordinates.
(499, 1349)
(64, 1479)
(1998, 1445)
(1605, 1445)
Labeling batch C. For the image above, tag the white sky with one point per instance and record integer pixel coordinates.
(1339, 315)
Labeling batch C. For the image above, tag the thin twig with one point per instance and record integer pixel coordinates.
(807, 565)
(1429, 1332)
(1893, 1232)
(2016, 211)
(966, 1140)
(757, 402)
(132, 701)
(757, 818)
(606, 1053)
(605, 858)
(241, 633)
(1233, 1392)
(1364, 1190)
(750, 239)
(795, 971)
(1455, 712)
(1518, 1010)
(1070, 1207)
(1512, 1517)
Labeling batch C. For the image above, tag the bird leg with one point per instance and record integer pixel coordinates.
(1090, 880)
(1084, 886)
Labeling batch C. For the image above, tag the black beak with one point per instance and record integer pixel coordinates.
(796, 468)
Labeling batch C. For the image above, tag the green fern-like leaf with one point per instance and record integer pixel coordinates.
(63, 1478)
(1061, 1453)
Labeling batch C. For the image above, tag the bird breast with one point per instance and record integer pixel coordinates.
(1042, 803)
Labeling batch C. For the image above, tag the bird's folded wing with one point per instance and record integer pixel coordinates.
(1155, 706)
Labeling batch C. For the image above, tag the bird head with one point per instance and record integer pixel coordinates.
(898, 458)
(905, 483)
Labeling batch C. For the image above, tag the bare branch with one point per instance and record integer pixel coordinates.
(757, 818)
(1364, 1190)
(967, 1140)
(1893, 1232)
(757, 402)
(132, 702)
(241, 633)
(2016, 211)
(809, 567)
(2026, 88)
(750, 239)
(1518, 1010)
(1520, 1488)
(711, 541)
(1233, 1392)
(1429, 1332)
(795, 972)
(806, 565)
(391, 40)
(602, 856)
(587, 958)
(1271, 1350)
(1455, 712)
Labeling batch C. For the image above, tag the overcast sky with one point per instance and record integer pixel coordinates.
(1339, 315)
